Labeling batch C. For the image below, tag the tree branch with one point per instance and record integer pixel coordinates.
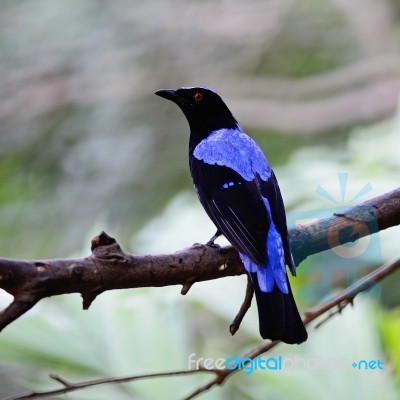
(341, 300)
(69, 387)
(109, 267)
(234, 327)
(355, 222)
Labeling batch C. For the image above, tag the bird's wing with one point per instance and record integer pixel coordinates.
(235, 205)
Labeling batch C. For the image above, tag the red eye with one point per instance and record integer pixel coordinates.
(198, 97)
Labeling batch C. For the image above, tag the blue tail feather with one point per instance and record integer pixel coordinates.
(279, 318)
(265, 277)
(275, 269)
(276, 259)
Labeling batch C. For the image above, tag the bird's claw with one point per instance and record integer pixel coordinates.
(211, 243)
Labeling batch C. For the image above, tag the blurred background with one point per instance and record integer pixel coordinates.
(86, 146)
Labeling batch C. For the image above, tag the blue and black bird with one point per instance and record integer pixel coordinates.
(239, 191)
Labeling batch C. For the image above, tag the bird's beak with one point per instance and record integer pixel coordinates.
(170, 94)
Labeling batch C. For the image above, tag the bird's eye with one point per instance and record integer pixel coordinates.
(197, 97)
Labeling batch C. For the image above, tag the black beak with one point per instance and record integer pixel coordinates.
(167, 94)
(170, 94)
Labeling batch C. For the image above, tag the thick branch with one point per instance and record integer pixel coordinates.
(111, 268)
(372, 216)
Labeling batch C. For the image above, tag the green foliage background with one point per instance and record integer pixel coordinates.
(85, 146)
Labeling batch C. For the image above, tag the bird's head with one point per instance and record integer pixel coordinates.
(204, 109)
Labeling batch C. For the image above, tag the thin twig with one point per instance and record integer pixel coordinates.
(234, 327)
(71, 386)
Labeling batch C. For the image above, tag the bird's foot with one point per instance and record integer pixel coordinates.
(211, 243)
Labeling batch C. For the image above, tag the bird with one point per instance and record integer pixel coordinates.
(240, 193)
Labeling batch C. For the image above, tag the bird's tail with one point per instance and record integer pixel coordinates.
(278, 316)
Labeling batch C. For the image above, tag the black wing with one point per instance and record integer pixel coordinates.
(235, 206)
(271, 191)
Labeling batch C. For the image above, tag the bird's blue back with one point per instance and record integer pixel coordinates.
(232, 148)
